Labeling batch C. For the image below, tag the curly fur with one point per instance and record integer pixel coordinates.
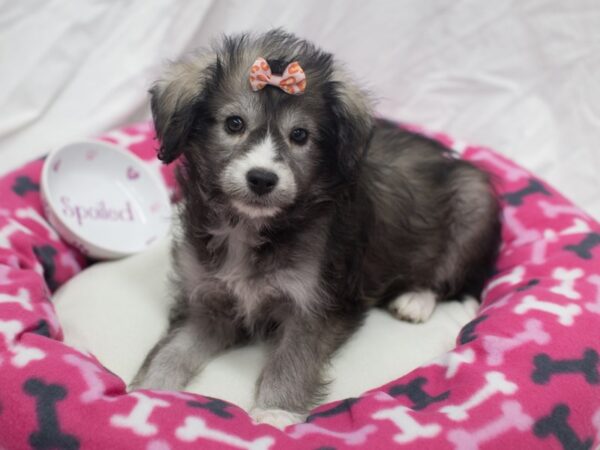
(368, 212)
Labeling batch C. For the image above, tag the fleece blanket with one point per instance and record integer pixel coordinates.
(524, 373)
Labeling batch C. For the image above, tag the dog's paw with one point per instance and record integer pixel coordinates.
(279, 418)
(415, 307)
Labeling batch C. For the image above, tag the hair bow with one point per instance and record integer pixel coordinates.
(292, 81)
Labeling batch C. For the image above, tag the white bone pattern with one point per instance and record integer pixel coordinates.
(579, 226)
(22, 355)
(552, 211)
(594, 306)
(497, 346)
(409, 428)
(4, 272)
(356, 437)
(512, 417)
(89, 372)
(195, 427)
(596, 423)
(565, 314)
(158, 444)
(515, 276)
(523, 235)
(137, 419)
(453, 360)
(540, 246)
(496, 383)
(22, 298)
(32, 214)
(12, 227)
(566, 282)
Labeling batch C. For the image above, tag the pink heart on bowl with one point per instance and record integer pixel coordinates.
(56, 166)
(155, 207)
(132, 174)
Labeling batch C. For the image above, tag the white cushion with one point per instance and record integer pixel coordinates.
(118, 310)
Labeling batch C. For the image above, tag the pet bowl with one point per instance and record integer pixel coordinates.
(104, 200)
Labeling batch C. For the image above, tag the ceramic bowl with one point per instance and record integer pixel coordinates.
(103, 199)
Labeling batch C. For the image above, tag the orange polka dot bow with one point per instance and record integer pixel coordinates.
(292, 81)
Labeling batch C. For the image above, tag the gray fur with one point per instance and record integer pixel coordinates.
(375, 211)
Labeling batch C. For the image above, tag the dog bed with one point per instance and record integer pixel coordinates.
(117, 312)
(524, 373)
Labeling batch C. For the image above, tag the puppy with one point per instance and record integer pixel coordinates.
(299, 211)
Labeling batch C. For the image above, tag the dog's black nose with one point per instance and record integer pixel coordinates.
(261, 181)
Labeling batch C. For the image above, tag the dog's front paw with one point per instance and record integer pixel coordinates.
(413, 307)
(279, 418)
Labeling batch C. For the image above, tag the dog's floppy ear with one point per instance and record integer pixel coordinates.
(354, 120)
(173, 100)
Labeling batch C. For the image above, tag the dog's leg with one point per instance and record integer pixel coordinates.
(175, 359)
(473, 230)
(189, 344)
(292, 380)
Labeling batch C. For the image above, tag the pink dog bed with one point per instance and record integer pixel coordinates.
(524, 373)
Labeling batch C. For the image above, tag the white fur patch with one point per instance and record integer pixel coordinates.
(262, 156)
(300, 283)
(254, 212)
(413, 306)
(279, 418)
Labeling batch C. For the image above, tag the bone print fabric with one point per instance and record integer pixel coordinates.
(524, 373)
(292, 81)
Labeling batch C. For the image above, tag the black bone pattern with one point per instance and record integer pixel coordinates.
(585, 247)
(556, 424)
(533, 187)
(23, 185)
(467, 334)
(531, 283)
(415, 393)
(340, 408)
(546, 367)
(215, 406)
(42, 329)
(49, 435)
(45, 255)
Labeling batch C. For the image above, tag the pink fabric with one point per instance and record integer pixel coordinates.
(524, 373)
(291, 81)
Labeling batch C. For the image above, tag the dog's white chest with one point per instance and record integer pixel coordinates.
(297, 282)
(251, 287)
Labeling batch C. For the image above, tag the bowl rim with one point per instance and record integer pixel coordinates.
(138, 163)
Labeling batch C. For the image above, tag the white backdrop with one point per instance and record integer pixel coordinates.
(520, 76)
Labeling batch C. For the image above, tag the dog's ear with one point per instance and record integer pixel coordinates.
(354, 121)
(174, 99)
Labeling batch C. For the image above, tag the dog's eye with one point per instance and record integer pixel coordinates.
(299, 135)
(234, 124)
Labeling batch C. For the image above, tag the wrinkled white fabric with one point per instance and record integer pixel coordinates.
(519, 76)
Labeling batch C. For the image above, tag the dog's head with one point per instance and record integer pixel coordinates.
(260, 151)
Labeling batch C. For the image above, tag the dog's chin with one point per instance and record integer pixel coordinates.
(254, 210)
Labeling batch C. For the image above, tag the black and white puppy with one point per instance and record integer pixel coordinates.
(298, 213)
